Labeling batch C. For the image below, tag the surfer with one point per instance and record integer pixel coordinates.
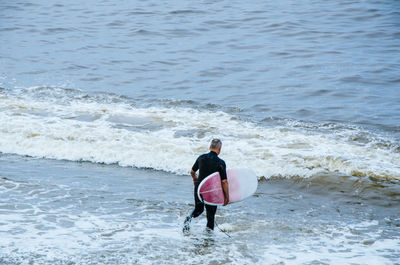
(207, 164)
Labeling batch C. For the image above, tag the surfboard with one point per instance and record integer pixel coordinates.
(242, 183)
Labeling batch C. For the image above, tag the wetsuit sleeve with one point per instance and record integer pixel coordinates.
(222, 170)
(195, 167)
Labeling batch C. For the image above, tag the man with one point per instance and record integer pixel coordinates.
(207, 164)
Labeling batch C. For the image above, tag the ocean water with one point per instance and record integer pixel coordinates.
(104, 106)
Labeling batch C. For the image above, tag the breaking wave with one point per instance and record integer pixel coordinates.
(104, 128)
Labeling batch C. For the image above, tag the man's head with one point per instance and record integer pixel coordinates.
(216, 145)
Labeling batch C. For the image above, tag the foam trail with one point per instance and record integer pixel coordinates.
(66, 124)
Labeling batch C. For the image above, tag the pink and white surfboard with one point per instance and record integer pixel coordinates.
(242, 184)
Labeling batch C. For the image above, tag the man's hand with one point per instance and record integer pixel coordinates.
(226, 201)
(225, 189)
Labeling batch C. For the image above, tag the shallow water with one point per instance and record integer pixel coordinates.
(104, 107)
(59, 212)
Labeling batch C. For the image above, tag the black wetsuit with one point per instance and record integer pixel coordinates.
(207, 164)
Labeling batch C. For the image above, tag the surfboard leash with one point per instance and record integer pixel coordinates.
(222, 230)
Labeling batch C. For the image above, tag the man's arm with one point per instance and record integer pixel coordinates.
(195, 167)
(224, 182)
(225, 189)
(194, 176)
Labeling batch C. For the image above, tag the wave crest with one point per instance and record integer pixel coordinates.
(67, 124)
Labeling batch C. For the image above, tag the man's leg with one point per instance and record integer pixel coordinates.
(211, 210)
(198, 209)
(199, 206)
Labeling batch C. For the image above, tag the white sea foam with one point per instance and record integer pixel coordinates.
(338, 245)
(62, 124)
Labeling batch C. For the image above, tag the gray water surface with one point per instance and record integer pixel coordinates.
(304, 92)
(319, 61)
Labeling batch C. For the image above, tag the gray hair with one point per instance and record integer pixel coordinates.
(215, 143)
